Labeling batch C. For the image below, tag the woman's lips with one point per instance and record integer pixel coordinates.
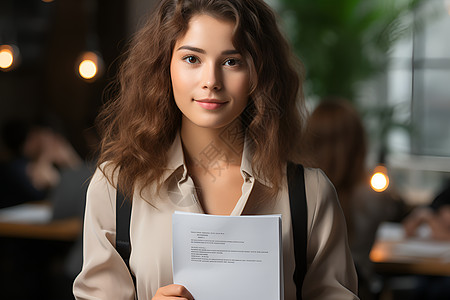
(210, 104)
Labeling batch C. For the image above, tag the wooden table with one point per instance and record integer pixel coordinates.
(63, 230)
(34, 221)
(400, 255)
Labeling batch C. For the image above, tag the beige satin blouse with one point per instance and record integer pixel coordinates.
(331, 273)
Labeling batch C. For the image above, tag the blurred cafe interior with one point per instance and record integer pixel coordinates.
(387, 60)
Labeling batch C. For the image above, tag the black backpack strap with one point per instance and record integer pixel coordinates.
(123, 216)
(299, 219)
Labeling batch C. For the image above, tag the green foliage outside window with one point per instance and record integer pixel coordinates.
(343, 42)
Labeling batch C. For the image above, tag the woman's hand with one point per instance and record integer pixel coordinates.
(172, 291)
(419, 216)
(438, 222)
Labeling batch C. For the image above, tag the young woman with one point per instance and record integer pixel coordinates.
(205, 120)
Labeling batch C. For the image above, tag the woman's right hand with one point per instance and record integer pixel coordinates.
(172, 291)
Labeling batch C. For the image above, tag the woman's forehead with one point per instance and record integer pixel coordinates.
(205, 30)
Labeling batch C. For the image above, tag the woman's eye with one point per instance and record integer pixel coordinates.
(231, 62)
(191, 59)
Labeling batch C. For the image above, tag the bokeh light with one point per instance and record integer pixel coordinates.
(89, 66)
(87, 69)
(380, 179)
(7, 57)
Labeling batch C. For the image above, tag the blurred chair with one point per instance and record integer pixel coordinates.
(68, 197)
(68, 200)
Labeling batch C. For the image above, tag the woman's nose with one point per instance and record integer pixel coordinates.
(212, 78)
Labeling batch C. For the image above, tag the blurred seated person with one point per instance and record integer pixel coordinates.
(335, 141)
(436, 217)
(36, 154)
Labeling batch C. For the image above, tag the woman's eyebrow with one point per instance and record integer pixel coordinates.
(195, 49)
(230, 52)
(199, 50)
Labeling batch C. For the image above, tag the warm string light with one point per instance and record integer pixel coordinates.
(90, 63)
(8, 57)
(89, 66)
(87, 69)
(380, 179)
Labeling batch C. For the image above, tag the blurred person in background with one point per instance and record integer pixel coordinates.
(435, 218)
(335, 141)
(36, 154)
(432, 221)
(40, 164)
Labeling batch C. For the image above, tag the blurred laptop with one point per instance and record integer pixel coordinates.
(69, 196)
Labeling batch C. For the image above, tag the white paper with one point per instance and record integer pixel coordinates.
(390, 231)
(423, 248)
(228, 257)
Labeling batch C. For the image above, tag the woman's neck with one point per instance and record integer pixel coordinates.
(210, 148)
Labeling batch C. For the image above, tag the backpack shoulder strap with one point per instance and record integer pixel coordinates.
(299, 219)
(123, 215)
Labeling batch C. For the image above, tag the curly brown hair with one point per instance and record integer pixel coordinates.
(140, 122)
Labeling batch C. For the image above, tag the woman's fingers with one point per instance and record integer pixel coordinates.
(173, 291)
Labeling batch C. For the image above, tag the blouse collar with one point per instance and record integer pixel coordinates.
(176, 161)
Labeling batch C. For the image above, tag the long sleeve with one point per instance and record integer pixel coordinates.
(104, 274)
(331, 272)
